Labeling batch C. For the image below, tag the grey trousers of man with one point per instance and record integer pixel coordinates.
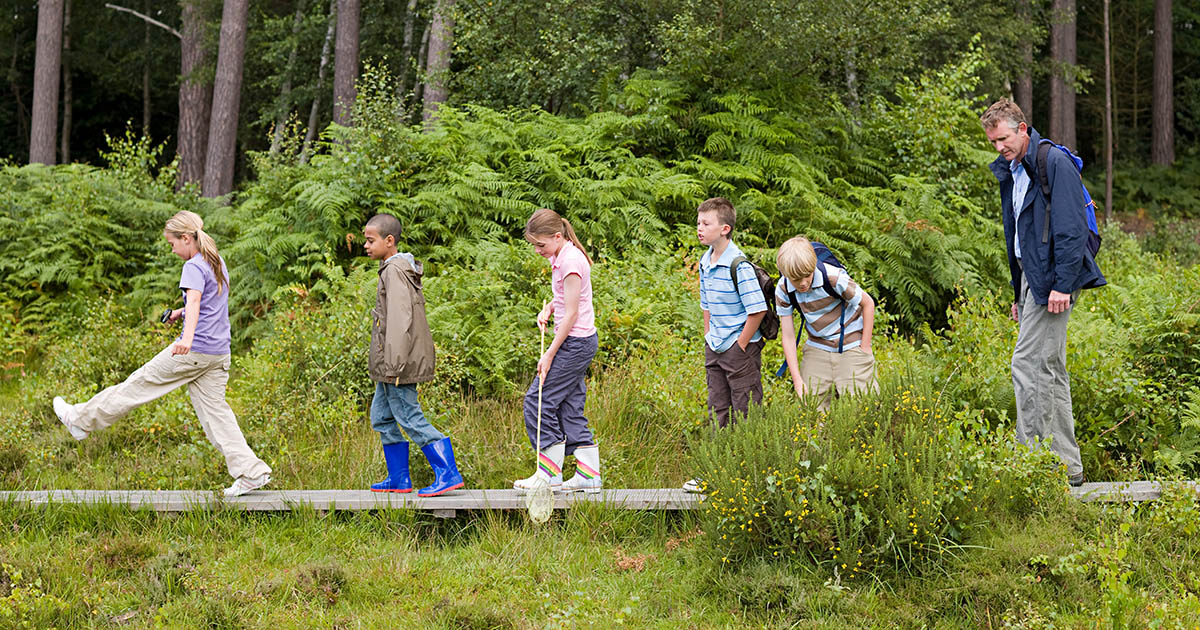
(1040, 381)
(205, 376)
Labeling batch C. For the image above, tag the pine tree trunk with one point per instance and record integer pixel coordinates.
(437, 64)
(422, 56)
(1023, 89)
(1108, 119)
(1062, 92)
(345, 61)
(1162, 143)
(310, 134)
(146, 105)
(227, 93)
(195, 97)
(406, 49)
(64, 147)
(46, 76)
(285, 90)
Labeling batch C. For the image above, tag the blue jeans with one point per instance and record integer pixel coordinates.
(395, 407)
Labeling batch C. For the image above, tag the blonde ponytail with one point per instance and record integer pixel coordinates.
(546, 222)
(188, 222)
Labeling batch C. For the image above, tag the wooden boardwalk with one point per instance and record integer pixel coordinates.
(449, 505)
(353, 500)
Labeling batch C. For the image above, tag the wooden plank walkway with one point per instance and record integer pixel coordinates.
(282, 500)
(448, 505)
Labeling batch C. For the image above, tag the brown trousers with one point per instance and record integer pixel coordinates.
(733, 376)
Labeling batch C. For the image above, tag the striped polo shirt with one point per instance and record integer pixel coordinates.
(727, 305)
(823, 311)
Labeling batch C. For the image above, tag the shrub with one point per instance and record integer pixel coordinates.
(883, 481)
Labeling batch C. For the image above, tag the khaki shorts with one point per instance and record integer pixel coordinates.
(826, 373)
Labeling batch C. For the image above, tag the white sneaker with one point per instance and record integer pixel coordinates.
(693, 485)
(64, 411)
(242, 485)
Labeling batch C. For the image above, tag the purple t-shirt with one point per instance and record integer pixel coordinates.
(212, 326)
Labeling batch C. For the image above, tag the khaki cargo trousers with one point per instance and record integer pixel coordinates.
(205, 376)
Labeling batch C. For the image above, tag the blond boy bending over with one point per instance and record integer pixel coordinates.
(839, 317)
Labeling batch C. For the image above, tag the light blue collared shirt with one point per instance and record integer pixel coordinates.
(1020, 188)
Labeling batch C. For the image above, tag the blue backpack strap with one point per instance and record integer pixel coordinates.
(1043, 153)
(799, 330)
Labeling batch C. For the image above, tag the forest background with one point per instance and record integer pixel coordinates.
(287, 124)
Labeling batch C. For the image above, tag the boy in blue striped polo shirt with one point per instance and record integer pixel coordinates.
(732, 343)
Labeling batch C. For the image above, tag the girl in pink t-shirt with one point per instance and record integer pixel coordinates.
(562, 370)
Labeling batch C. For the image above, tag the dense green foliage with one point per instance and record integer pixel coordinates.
(907, 482)
(883, 481)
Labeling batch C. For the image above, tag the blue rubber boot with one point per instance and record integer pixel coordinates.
(396, 456)
(445, 472)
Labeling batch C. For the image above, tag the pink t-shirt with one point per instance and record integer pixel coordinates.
(572, 261)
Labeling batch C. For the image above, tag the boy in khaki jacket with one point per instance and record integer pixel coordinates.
(402, 355)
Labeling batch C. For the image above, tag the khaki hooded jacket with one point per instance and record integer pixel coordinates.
(402, 349)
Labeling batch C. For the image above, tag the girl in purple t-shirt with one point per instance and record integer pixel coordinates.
(562, 369)
(198, 358)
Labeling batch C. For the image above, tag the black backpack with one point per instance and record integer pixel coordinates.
(769, 327)
(824, 256)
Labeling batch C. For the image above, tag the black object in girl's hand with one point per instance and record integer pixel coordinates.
(165, 317)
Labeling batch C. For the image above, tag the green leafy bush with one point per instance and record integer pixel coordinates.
(883, 481)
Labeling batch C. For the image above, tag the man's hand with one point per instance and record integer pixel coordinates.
(1016, 314)
(1059, 302)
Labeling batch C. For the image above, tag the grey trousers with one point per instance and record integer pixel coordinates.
(563, 397)
(1040, 381)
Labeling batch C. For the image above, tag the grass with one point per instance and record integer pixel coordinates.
(1085, 566)
(590, 567)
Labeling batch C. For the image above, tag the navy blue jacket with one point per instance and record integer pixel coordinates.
(1063, 263)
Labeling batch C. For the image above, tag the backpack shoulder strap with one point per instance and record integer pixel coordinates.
(733, 267)
(1043, 154)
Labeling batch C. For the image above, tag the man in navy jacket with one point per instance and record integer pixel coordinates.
(1047, 276)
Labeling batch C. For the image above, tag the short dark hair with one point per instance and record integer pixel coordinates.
(724, 209)
(387, 225)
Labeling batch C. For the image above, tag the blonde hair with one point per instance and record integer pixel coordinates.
(546, 222)
(796, 259)
(188, 222)
(1003, 111)
(724, 209)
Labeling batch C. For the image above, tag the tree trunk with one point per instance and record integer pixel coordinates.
(195, 97)
(437, 64)
(285, 90)
(406, 49)
(46, 76)
(1023, 89)
(314, 113)
(64, 147)
(852, 79)
(227, 93)
(422, 56)
(345, 61)
(1062, 91)
(146, 73)
(1162, 143)
(1108, 119)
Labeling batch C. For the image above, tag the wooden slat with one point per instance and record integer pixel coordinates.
(1123, 491)
(282, 500)
(448, 504)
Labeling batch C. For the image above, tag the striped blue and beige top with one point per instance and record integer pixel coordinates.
(726, 304)
(823, 312)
